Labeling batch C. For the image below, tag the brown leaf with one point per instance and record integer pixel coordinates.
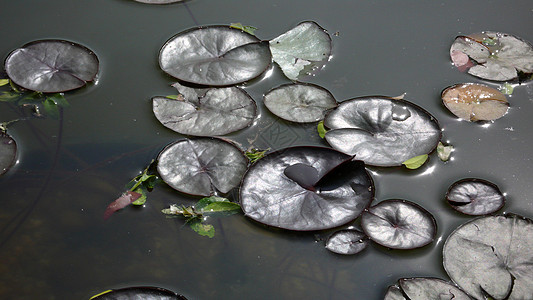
(124, 200)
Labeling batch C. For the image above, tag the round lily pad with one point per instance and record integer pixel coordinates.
(399, 224)
(8, 152)
(143, 292)
(382, 131)
(217, 112)
(215, 56)
(474, 196)
(299, 102)
(493, 56)
(306, 188)
(51, 66)
(347, 241)
(475, 102)
(425, 288)
(202, 166)
(490, 257)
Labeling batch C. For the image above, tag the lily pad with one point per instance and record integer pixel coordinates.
(399, 224)
(423, 289)
(202, 166)
(335, 189)
(474, 196)
(299, 102)
(491, 256)
(144, 292)
(475, 102)
(493, 56)
(382, 131)
(8, 152)
(347, 241)
(51, 66)
(301, 48)
(214, 56)
(217, 112)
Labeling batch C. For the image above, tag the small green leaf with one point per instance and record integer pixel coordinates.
(255, 154)
(201, 228)
(4, 82)
(175, 97)
(204, 202)
(444, 152)
(51, 109)
(59, 100)
(506, 88)
(415, 162)
(9, 96)
(488, 41)
(248, 29)
(226, 208)
(141, 200)
(321, 129)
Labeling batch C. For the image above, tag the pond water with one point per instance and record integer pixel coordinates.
(54, 241)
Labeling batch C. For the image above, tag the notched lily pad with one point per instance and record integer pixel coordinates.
(51, 66)
(306, 188)
(493, 56)
(474, 196)
(491, 257)
(301, 49)
(399, 224)
(144, 292)
(8, 152)
(382, 131)
(347, 241)
(424, 288)
(475, 102)
(202, 166)
(217, 111)
(299, 102)
(214, 56)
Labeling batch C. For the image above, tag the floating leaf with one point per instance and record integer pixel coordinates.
(299, 102)
(275, 193)
(201, 228)
(491, 256)
(248, 29)
(347, 241)
(425, 288)
(144, 292)
(220, 111)
(51, 108)
(493, 55)
(215, 56)
(301, 48)
(124, 200)
(382, 131)
(217, 205)
(51, 66)
(475, 102)
(4, 82)
(415, 162)
(202, 166)
(8, 151)
(474, 196)
(321, 129)
(399, 224)
(255, 154)
(506, 88)
(444, 152)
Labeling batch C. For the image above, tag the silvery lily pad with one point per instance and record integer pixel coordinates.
(217, 112)
(8, 152)
(474, 196)
(214, 56)
(382, 131)
(51, 66)
(347, 241)
(424, 289)
(158, 1)
(306, 188)
(475, 102)
(299, 102)
(493, 55)
(301, 48)
(399, 224)
(491, 257)
(144, 292)
(202, 166)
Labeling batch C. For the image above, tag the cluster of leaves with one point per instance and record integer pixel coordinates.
(196, 215)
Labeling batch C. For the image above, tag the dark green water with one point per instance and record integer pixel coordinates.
(64, 250)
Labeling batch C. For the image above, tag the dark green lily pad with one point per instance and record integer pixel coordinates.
(475, 197)
(144, 293)
(51, 66)
(425, 289)
(492, 257)
(280, 190)
(214, 56)
(8, 152)
(202, 166)
(347, 241)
